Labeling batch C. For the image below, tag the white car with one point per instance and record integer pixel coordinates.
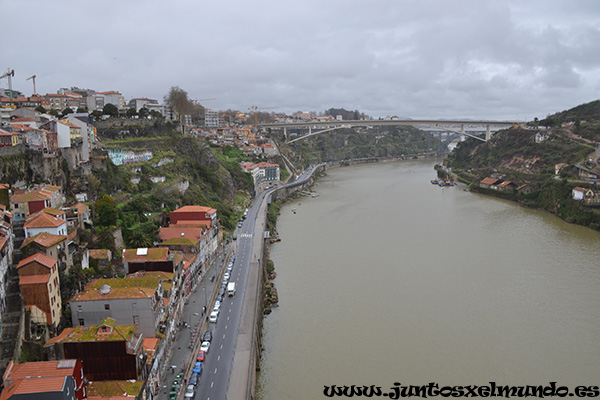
(204, 346)
(226, 276)
(217, 306)
(213, 316)
(189, 393)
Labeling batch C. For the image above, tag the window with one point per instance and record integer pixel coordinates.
(134, 306)
(79, 308)
(136, 319)
(81, 321)
(107, 306)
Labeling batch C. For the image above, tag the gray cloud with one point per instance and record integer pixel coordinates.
(494, 59)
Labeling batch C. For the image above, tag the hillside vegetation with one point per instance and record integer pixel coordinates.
(572, 138)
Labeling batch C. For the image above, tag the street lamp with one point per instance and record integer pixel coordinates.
(205, 301)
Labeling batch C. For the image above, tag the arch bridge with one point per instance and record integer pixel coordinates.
(464, 127)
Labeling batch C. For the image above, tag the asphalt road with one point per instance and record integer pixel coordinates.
(225, 367)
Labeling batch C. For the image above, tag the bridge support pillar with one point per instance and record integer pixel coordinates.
(310, 130)
(285, 132)
(488, 134)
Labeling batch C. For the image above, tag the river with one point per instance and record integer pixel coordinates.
(387, 278)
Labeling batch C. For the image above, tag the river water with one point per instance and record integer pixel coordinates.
(387, 278)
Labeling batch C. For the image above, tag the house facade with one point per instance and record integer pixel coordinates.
(44, 222)
(40, 288)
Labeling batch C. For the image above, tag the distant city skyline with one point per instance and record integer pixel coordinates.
(493, 59)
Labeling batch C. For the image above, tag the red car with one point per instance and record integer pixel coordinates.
(200, 356)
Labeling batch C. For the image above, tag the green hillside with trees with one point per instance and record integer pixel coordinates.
(543, 161)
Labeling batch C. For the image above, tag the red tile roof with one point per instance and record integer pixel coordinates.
(489, 181)
(180, 231)
(99, 254)
(44, 221)
(34, 279)
(44, 239)
(195, 209)
(42, 259)
(40, 368)
(38, 385)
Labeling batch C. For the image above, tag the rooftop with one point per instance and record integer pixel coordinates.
(44, 239)
(133, 286)
(114, 389)
(147, 254)
(93, 333)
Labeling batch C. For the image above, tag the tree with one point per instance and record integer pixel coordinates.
(40, 109)
(53, 112)
(67, 111)
(143, 113)
(177, 99)
(97, 114)
(131, 113)
(81, 110)
(111, 110)
(106, 211)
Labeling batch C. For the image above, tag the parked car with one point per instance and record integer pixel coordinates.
(217, 306)
(204, 346)
(213, 316)
(200, 356)
(220, 297)
(226, 276)
(207, 336)
(197, 367)
(194, 379)
(189, 393)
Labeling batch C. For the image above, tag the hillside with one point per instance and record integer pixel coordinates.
(356, 143)
(182, 171)
(549, 162)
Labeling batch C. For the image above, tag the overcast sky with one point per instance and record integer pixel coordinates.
(501, 60)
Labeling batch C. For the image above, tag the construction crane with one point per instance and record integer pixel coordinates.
(9, 74)
(197, 101)
(32, 77)
(255, 110)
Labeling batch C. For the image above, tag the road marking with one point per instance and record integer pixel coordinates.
(221, 347)
(212, 384)
(225, 326)
(223, 336)
(215, 370)
(219, 358)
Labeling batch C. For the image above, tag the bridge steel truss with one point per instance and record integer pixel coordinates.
(460, 127)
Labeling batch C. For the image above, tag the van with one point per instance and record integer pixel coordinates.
(231, 289)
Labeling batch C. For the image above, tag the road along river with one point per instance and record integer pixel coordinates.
(387, 278)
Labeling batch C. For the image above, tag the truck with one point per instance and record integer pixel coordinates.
(231, 289)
